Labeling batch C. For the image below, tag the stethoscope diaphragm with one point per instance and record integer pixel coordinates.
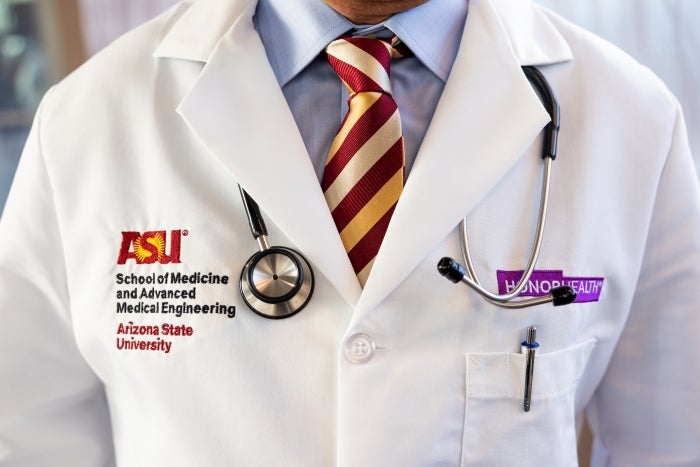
(277, 282)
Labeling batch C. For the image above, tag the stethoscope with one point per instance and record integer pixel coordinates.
(455, 272)
(277, 282)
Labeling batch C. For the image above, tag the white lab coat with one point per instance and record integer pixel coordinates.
(137, 143)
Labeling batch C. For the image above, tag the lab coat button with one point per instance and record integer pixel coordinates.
(359, 348)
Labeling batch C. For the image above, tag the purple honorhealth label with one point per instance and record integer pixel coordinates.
(541, 282)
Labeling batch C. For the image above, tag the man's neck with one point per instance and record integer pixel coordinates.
(371, 11)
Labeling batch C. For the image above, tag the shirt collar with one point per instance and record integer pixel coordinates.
(295, 32)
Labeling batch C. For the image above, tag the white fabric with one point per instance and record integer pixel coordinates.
(131, 144)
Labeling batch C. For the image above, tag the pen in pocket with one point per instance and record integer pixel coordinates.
(529, 348)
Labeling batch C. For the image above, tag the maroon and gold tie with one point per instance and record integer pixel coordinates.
(364, 172)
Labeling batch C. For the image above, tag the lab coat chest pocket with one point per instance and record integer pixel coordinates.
(497, 430)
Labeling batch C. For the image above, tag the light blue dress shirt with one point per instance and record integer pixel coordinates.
(295, 33)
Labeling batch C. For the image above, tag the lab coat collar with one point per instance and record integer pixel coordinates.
(199, 25)
(263, 150)
(532, 37)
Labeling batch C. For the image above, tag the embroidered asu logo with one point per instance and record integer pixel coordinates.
(150, 247)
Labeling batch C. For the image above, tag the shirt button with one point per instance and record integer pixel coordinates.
(359, 348)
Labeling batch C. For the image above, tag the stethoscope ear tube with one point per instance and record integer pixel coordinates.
(563, 295)
(451, 269)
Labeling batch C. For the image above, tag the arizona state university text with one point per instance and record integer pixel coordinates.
(157, 344)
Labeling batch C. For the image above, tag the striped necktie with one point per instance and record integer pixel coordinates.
(364, 172)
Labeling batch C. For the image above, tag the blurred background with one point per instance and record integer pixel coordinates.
(43, 40)
(40, 42)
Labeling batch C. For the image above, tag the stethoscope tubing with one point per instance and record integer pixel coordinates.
(472, 279)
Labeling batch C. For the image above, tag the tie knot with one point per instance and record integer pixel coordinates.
(363, 63)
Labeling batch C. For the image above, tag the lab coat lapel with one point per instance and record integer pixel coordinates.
(487, 117)
(238, 110)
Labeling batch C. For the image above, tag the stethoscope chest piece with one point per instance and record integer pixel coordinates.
(277, 282)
